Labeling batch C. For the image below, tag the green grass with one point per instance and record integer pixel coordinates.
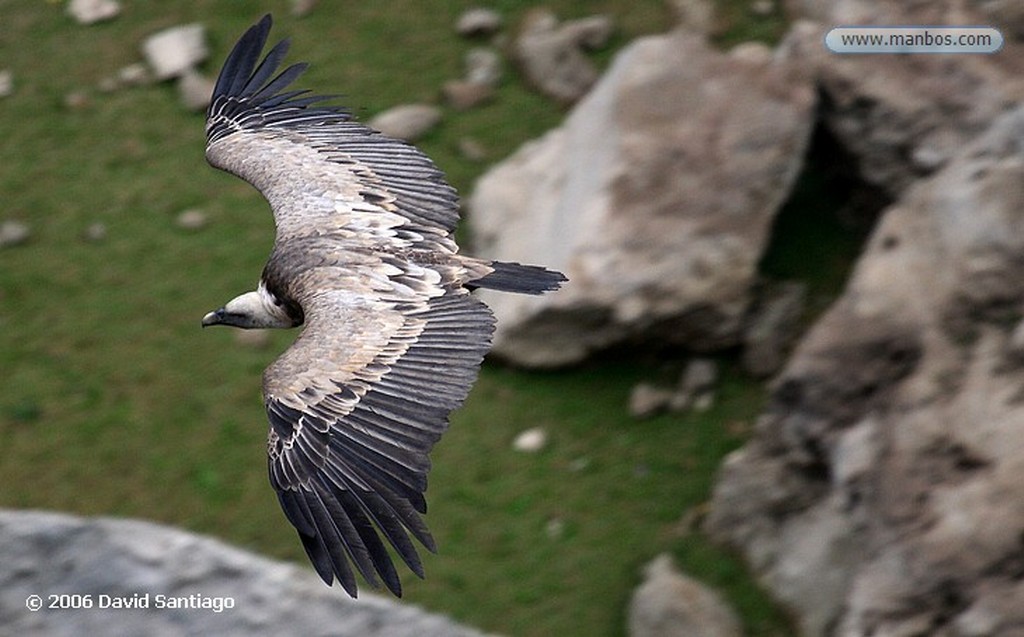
(114, 402)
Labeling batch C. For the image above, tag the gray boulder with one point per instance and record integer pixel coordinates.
(656, 198)
(881, 493)
(179, 583)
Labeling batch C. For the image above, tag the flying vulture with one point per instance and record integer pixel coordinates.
(365, 259)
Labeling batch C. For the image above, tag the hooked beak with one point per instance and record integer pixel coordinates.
(214, 318)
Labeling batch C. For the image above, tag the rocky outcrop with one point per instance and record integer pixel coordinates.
(881, 494)
(904, 117)
(655, 197)
(173, 583)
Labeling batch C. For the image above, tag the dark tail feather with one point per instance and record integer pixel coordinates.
(522, 279)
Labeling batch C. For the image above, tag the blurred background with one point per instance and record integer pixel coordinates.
(593, 439)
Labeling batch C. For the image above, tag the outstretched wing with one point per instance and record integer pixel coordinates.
(320, 170)
(355, 406)
(392, 342)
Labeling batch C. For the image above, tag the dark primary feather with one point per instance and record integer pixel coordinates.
(246, 96)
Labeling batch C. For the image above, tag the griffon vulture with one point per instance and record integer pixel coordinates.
(365, 259)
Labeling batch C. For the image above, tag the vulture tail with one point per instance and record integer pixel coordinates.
(522, 279)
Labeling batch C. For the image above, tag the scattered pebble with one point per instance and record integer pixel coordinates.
(195, 90)
(472, 149)
(462, 95)
(302, 8)
(579, 464)
(555, 528)
(93, 11)
(95, 232)
(483, 66)
(13, 233)
(77, 100)
(133, 75)
(192, 219)
(478, 21)
(6, 83)
(703, 401)
(172, 52)
(531, 440)
(701, 375)
(647, 400)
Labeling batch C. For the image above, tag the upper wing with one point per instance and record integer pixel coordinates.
(355, 405)
(319, 169)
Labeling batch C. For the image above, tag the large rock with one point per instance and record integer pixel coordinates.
(881, 494)
(904, 117)
(655, 197)
(80, 562)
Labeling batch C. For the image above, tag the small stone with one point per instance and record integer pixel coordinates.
(579, 464)
(13, 233)
(302, 8)
(92, 11)
(647, 400)
(700, 376)
(195, 90)
(472, 149)
(704, 401)
(133, 75)
(409, 122)
(531, 440)
(478, 21)
(555, 528)
(192, 219)
(462, 95)
(95, 232)
(483, 66)
(108, 84)
(6, 83)
(680, 401)
(174, 51)
(77, 100)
